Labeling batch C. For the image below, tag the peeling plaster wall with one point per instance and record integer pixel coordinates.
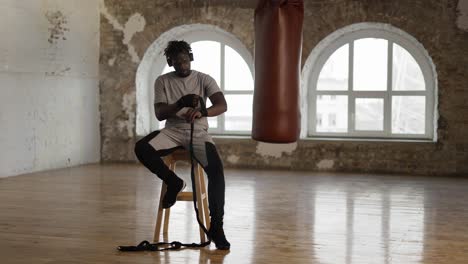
(49, 103)
(462, 21)
(437, 24)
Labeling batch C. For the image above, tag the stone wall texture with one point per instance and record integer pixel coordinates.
(432, 22)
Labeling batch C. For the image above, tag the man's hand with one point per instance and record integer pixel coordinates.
(189, 100)
(192, 114)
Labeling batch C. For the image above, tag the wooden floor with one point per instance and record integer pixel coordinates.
(80, 215)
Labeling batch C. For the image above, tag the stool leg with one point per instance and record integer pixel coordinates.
(172, 165)
(167, 213)
(157, 230)
(199, 202)
(205, 198)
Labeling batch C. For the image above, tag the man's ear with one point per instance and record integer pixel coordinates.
(169, 62)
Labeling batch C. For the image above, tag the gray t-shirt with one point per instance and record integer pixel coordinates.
(168, 88)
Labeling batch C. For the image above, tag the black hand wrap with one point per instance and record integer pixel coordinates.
(189, 100)
(203, 110)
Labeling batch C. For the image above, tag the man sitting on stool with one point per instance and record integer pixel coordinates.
(176, 100)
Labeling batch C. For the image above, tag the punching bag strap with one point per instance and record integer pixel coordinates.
(203, 110)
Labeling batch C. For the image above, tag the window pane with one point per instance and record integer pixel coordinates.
(161, 124)
(239, 114)
(370, 64)
(167, 69)
(332, 113)
(207, 58)
(237, 73)
(369, 114)
(407, 75)
(212, 121)
(408, 114)
(334, 74)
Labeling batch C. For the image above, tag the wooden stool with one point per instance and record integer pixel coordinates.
(202, 196)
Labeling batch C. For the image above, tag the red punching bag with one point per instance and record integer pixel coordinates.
(278, 46)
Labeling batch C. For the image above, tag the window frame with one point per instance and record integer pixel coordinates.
(392, 35)
(220, 129)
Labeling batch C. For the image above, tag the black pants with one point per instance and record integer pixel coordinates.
(152, 160)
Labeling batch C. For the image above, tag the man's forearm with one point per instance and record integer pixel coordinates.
(219, 104)
(216, 110)
(164, 111)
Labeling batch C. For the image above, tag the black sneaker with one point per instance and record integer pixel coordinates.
(216, 234)
(172, 191)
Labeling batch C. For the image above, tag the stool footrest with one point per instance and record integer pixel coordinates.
(188, 196)
(185, 196)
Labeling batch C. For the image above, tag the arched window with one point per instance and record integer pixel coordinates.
(218, 54)
(370, 80)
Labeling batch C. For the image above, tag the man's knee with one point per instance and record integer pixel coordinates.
(140, 148)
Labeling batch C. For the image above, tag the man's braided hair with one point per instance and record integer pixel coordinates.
(175, 47)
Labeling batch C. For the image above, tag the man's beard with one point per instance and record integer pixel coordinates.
(183, 73)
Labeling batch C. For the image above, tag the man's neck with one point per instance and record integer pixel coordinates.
(183, 76)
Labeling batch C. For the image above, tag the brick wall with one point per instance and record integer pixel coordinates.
(432, 22)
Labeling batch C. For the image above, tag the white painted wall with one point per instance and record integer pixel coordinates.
(49, 95)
